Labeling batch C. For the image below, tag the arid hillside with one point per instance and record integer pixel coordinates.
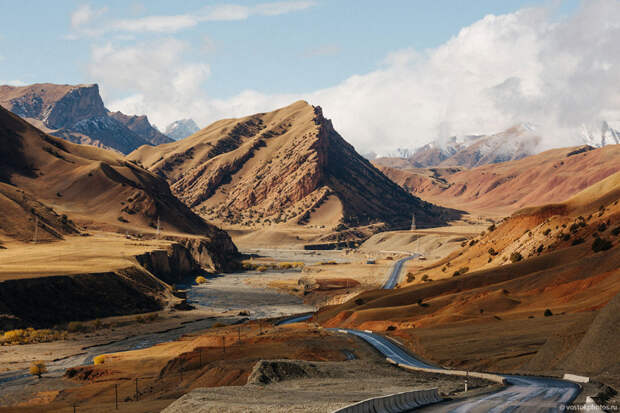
(555, 259)
(286, 166)
(551, 176)
(76, 113)
(91, 186)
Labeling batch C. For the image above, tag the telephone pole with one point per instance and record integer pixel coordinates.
(158, 227)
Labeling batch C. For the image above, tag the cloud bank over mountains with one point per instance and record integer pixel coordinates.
(555, 72)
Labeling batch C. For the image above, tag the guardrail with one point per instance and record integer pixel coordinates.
(496, 378)
(394, 403)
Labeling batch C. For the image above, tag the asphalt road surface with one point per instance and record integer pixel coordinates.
(395, 274)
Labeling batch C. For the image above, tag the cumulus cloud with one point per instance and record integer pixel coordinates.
(528, 66)
(173, 23)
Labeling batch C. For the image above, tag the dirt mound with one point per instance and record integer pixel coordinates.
(552, 176)
(273, 371)
(286, 166)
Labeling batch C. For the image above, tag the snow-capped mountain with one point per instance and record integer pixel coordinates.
(605, 133)
(181, 129)
(469, 151)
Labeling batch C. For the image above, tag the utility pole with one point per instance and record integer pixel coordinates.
(413, 227)
(158, 227)
(137, 393)
(116, 396)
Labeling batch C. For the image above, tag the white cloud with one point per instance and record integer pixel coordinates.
(526, 66)
(85, 14)
(173, 23)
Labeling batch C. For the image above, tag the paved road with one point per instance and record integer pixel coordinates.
(523, 394)
(294, 319)
(395, 274)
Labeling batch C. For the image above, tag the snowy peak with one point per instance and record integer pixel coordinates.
(181, 129)
(605, 133)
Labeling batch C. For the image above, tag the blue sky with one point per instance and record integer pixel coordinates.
(212, 59)
(291, 53)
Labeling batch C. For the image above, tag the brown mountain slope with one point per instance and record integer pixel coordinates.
(485, 306)
(552, 256)
(551, 176)
(289, 165)
(90, 185)
(76, 113)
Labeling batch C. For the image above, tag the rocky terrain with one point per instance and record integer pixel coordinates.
(286, 166)
(551, 176)
(77, 113)
(141, 126)
(181, 129)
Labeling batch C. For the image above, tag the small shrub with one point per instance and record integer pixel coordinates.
(359, 301)
(410, 277)
(547, 232)
(601, 244)
(493, 252)
(75, 327)
(578, 241)
(391, 328)
(491, 228)
(540, 248)
(516, 257)
(615, 232)
(472, 242)
(37, 368)
(565, 237)
(573, 228)
(602, 227)
(200, 280)
(100, 359)
(548, 313)
(463, 270)
(425, 277)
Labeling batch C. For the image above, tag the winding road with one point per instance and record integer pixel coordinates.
(522, 393)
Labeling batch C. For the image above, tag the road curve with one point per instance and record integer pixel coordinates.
(523, 393)
(294, 319)
(395, 274)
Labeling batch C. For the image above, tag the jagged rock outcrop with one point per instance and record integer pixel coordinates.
(289, 165)
(141, 126)
(181, 129)
(77, 113)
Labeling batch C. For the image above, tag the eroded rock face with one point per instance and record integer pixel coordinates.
(141, 126)
(289, 165)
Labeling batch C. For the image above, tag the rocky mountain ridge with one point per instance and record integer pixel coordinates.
(286, 166)
(77, 113)
(181, 129)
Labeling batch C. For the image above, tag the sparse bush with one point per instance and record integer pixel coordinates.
(493, 252)
(75, 327)
(410, 277)
(565, 237)
(547, 232)
(100, 359)
(540, 248)
(425, 277)
(615, 232)
(37, 368)
(359, 301)
(602, 227)
(391, 328)
(578, 241)
(472, 242)
(516, 257)
(573, 228)
(491, 228)
(463, 270)
(200, 280)
(601, 244)
(548, 313)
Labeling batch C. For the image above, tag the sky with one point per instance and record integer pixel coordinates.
(391, 76)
